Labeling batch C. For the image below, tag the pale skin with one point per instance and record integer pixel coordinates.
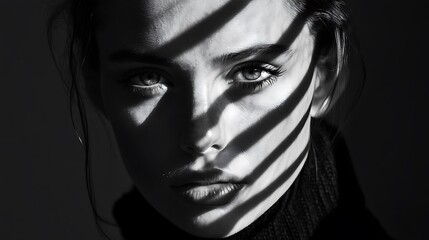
(190, 111)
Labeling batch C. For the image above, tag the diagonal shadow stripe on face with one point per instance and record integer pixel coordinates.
(235, 215)
(252, 135)
(230, 96)
(249, 137)
(281, 148)
(192, 37)
(202, 29)
(291, 34)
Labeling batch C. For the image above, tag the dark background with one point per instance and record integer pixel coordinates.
(42, 187)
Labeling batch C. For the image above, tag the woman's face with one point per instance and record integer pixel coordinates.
(210, 104)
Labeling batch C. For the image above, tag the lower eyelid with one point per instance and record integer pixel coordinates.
(150, 91)
(256, 86)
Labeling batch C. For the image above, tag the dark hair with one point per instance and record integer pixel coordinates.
(329, 21)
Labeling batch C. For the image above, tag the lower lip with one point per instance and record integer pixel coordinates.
(216, 194)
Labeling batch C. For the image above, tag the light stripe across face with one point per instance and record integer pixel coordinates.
(295, 145)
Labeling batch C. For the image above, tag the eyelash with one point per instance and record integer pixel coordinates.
(149, 91)
(275, 72)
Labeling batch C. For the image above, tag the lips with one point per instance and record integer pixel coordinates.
(213, 187)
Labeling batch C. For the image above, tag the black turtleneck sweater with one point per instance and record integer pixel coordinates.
(324, 202)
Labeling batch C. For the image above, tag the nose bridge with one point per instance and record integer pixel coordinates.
(200, 101)
(201, 133)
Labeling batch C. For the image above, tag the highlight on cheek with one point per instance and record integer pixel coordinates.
(137, 115)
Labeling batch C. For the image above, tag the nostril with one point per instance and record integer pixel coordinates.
(189, 149)
(192, 149)
(196, 150)
(217, 147)
(200, 141)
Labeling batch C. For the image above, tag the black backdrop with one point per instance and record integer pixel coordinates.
(42, 188)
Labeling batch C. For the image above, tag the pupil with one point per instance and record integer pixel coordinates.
(150, 79)
(252, 73)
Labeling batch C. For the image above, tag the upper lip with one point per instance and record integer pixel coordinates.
(203, 177)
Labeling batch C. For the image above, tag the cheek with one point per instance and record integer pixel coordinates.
(263, 137)
(270, 126)
(145, 134)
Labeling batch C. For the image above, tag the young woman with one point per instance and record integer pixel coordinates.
(215, 107)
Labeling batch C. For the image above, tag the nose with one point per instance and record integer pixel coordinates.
(206, 143)
(202, 132)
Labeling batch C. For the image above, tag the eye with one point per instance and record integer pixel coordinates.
(147, 83)
(250, 74)
(146, 79)
(254, 75)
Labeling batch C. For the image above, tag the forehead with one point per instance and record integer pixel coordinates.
(179, 26)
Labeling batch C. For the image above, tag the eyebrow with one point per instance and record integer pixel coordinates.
(131, 55)
(258, 50)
